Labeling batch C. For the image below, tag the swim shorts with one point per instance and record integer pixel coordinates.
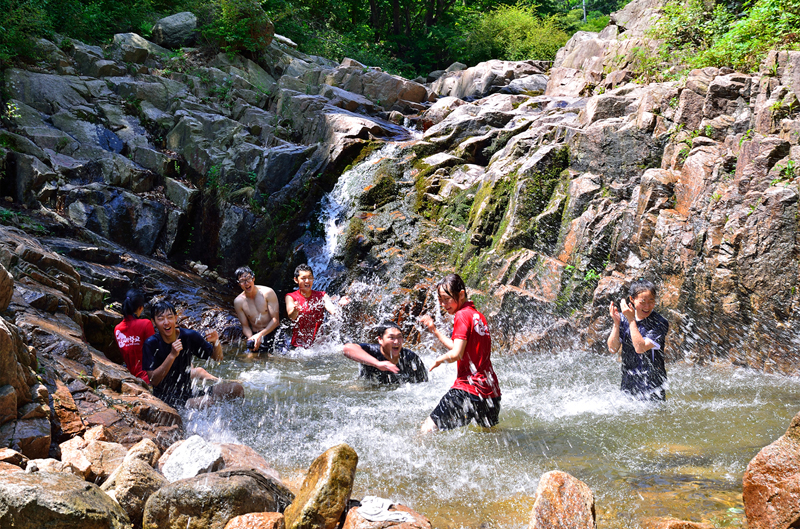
(458, 408)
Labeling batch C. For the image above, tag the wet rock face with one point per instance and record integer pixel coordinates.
(355, 521)
(43, 499)
(212, 500)
(770, 487)
(325, 491)
(562, 502)
(194, 456)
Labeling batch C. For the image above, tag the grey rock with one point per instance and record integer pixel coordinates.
(29, 175)
(43, 499)
(130, 47)
(6, 288)
(45, 92)
(176, 31)
(211, 500)
(194, 456)
(180, 195)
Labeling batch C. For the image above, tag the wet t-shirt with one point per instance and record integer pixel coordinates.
(412, 370)
(131, 334)
(475, 372)
(644, 375)
(312, 314)
(176, 387)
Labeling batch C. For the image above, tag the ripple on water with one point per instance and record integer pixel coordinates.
(684, 458)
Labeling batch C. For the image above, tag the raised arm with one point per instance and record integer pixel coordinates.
(158, 374)
(639, 343)
(355, 352)
(292, 310)
(614, 344)
(212, 337)
(333, 308)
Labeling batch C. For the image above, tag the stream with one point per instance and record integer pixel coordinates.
(561, 410)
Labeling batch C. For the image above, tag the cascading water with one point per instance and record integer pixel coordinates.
(561, 410)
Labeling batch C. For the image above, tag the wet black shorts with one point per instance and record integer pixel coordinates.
(458, 408)
(267, 344)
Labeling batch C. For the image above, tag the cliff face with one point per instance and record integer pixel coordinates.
(549, 204)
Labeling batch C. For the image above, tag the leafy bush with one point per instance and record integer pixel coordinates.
(237, 25)
(513, 33)
(96, 21)
(22, 20)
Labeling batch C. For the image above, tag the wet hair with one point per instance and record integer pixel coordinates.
(243, 270)
(385, 326)
(642, 285)
(302, 268)
(452, 284)
(161, 307)
(133, 300)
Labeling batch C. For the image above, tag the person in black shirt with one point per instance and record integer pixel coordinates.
(387, 362)
(639, 335)
(167, 359)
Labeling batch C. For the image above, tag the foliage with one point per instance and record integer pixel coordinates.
(236, 25)
(513, 33)
(697, 33)
(22, 19)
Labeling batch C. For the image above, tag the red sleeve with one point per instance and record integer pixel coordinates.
(461, 326)
(148, 331)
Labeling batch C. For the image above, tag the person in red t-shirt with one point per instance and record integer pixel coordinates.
(306, 307)
(476, 391)
(132, 333)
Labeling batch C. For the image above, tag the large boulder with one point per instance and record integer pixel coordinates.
(210, 501)
(489, 77)
(194, 456)
(176, 31)
(96, 460)
(48, 500)
(771, 483)
(131, 485)
(325, 491)
(562, 502)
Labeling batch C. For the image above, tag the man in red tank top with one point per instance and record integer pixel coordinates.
(306, 307)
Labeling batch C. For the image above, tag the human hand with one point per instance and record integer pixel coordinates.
(428, 323)
(212, 336)
(439, 361)
(177, 347)
(257, 341)
(627, 310)
(344, 300)
(388, 366)
(614, 311)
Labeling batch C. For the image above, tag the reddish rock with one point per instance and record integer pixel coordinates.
(355, 521)
(67, 416)
(257, 520)
(771, 483)
(8, 404)
(12, 457)
(562, 502)
(97, 433)
(236, 455)
(6, 468)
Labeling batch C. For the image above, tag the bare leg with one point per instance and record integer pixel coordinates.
(198, 373)
(221, 391)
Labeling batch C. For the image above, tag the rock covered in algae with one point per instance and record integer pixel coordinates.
(258, 520)
(210, 501)
(562, 502)
(325, 491)
(771, 483)
(41, 499)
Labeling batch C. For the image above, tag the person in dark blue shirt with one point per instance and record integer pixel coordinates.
(639, 335)
(167, 359)
(387, 362)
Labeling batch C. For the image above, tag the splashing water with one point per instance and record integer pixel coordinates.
(561, 410)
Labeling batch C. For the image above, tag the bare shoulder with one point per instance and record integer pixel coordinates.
(238, 301)
(266, 291)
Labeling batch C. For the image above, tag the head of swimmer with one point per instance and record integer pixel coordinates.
(642, 295)
(165, 318)
(304, 277)
(452, 293)
(390, 339)
(246, 278)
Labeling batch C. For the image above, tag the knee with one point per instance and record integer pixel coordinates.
(428, 426)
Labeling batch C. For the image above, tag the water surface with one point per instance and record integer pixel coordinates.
(560, 411)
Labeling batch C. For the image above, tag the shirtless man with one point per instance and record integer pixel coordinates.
(257, 309)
